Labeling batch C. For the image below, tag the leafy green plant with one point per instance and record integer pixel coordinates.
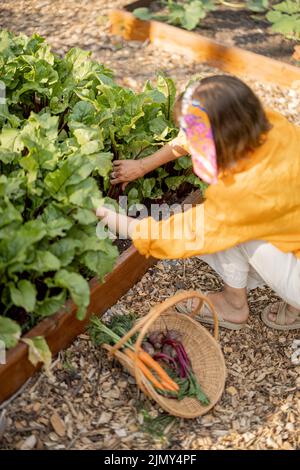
(186, 14)
(285, 18)
(10, 332)
(51, 162)
(63, 122)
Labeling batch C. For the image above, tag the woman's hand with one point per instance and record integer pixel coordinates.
(125, 171)
(117, 223)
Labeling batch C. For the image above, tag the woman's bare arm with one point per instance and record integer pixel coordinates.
(129, 170)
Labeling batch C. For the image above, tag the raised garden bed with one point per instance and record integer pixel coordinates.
(233, 24)
(203, 49)
(55, 167)
(62, 328)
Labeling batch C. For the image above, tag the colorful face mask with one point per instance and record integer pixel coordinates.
(194, 121)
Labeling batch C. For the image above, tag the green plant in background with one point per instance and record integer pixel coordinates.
(257, 6)
(285, 18)
(187, 14)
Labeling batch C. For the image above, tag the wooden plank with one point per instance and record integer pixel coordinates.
(61, 328)
(229, 59)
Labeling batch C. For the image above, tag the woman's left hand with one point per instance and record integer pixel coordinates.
(103, 212)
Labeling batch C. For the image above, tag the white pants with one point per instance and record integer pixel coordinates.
(258, 263)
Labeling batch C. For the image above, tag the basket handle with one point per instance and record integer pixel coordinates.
(160, 308)
(157, 310)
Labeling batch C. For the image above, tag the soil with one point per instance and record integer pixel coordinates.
(243, 28)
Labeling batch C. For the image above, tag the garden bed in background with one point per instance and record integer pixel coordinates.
(202, 49)
(199, 48)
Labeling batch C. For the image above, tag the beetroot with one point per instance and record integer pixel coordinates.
(148, 348)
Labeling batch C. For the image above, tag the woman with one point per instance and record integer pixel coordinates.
(251, 213)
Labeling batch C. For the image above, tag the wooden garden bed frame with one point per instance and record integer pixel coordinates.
(62, 328)
(228, 59)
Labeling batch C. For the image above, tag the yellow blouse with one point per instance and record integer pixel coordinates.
(258, 200)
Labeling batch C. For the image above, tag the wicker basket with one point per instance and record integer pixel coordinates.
(203, 350)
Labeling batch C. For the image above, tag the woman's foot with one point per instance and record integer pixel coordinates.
(231, 304)
(291, 313)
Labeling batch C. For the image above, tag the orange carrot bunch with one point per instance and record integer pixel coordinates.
(150, 368)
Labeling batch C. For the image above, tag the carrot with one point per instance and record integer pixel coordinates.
(154, 365)
(144, 369)
(169, 387)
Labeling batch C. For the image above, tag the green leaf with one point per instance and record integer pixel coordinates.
(194, 12)
(10, 332)
(78, 288)
(63, 122)
(196, 181)
(258, 6)
(8, 213)
(183, 163)
(75, 170)
(159, 127)
(38, 351)
(44, 261)
(23, 295)
(166, 86)
(147, 187)
(174, 182)
(133, 197)
(90, 139)
(56, 223)
(143, 13)
(10, 139)
(85, 216)
(102, 163)
(83, 112)
(289, 6)
(100, 262)
(64, 250)
(285, 17)
(50, 305)
(85, 194)
(284, 25)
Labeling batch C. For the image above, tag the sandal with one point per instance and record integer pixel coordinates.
(201, 317)
(280, 322)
